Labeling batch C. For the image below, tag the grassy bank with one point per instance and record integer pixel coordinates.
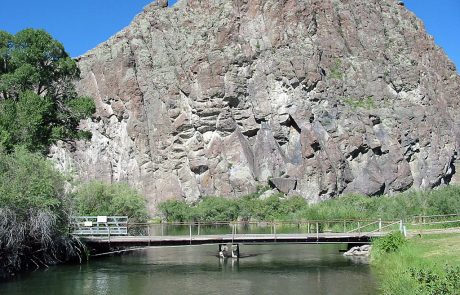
(421, 265)
(276, 207)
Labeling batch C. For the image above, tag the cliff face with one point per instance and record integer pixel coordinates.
(317, 97)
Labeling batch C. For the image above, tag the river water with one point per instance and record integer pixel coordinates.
(262, 269)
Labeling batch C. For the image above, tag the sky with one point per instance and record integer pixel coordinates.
(82, 24)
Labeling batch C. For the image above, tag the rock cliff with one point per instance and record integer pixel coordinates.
(315, 97)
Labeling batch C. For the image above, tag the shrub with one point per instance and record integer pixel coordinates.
(446, 282)
(29, 181)
(216, 209)
(389, 243)
(175, 210)
(98, 198)
(34, 211)
(276, 207)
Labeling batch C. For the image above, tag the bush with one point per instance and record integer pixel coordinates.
(216, 209)
(389, 243)
(97, 198)
(446, 282)
(251, 207)
(29, 181)
(34, 214)
(175, 210)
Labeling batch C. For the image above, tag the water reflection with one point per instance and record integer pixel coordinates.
(267, 269)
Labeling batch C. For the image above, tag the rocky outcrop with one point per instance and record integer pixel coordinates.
(321, 97)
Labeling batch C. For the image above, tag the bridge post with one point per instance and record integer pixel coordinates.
(236, 251)
(148, 232)
(402, 228)
(274, 229)
(317, 231)
(190, 230)
(380, 224)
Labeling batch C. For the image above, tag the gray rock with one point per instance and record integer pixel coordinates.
(359, 251)
(284, 185)
(162, 3)
(216, 97)
(267, 194)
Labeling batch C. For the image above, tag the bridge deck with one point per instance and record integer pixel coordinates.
(330, 238)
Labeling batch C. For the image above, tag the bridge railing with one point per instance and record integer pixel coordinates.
(267, 228)
(434, 222)
(119, 226)
(99, 225)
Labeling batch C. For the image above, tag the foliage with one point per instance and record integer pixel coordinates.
(33, 213)
(38, 102)
(97, 198)
(30, 181)
(389, 243)
(175, 210)
(277, 207)
(434, 283)
(421, 265)
(216, 209)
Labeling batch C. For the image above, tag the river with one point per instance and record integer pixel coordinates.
(262, 269)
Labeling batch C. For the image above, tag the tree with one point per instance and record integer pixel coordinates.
(97, 198)
(38, 101)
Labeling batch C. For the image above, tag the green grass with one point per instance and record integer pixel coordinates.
(441, 249)
(424, 265)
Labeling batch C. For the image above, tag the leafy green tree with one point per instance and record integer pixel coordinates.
(97, 198)
(38, 101)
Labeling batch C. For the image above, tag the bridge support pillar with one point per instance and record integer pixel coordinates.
(229, 250)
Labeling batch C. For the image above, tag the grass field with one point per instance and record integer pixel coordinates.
(442, 249)
(428, 264)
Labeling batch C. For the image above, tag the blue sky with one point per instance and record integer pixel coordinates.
(82, 24)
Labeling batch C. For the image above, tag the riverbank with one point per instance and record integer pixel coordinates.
(428, 264)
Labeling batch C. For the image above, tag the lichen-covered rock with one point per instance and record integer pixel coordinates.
(216, 97)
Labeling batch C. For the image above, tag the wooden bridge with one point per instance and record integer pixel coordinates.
(108, 233)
